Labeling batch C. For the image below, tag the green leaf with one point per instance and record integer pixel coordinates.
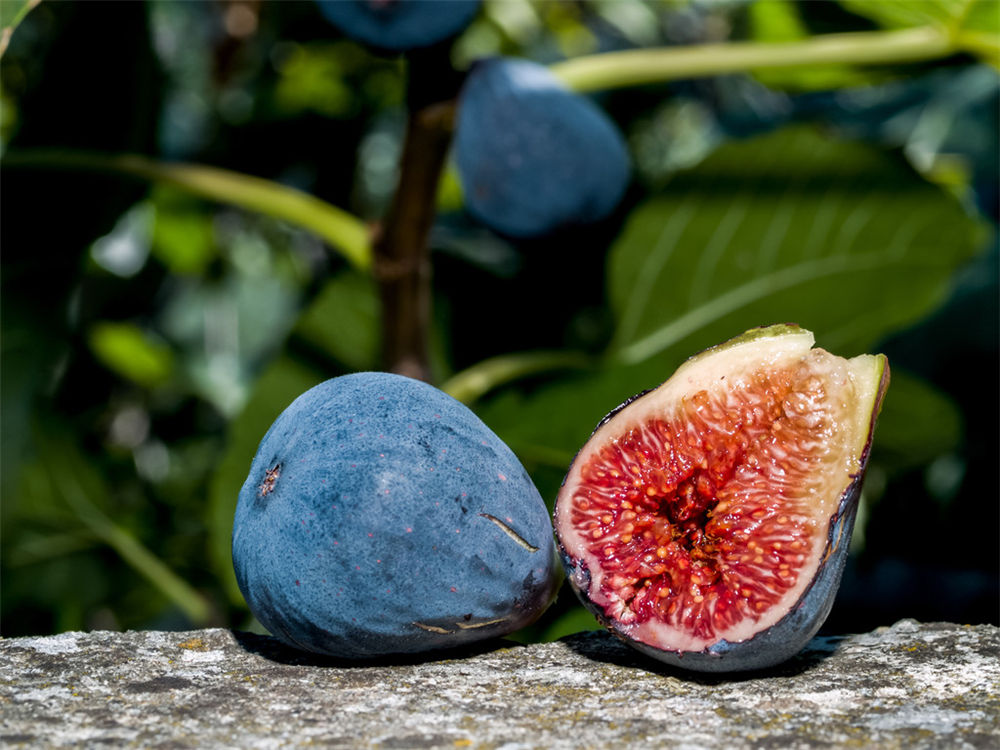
(918, 424)
(132, 353)
(182, 233)
(343, 321)
(838, 237)
(984, 16)
(279, 385)
(902, 14)
(12, 12)
(576, 620)
(312, 78)
(979, 32)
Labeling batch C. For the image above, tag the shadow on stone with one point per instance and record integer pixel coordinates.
(272, 649)
(603, 647)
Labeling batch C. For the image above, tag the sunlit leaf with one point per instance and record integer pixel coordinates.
(312, 78)
(980, 31)
(838, 237)
(131, 352)
(982, 15)
(449, 192)
(12, 12)
(182, 235)
(898, 14)
(576, 620)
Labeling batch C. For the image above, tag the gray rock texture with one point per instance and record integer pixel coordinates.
(909, 685)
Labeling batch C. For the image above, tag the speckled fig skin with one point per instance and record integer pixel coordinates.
(789, 635)
(381, 516)
(534, 157)
(399, 25)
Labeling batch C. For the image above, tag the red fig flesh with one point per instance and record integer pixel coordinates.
(704, 521)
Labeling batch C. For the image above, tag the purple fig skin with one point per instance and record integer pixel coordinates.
(399, 25)
(787, 637)
(380, 517)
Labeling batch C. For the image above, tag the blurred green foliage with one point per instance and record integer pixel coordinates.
(153, 329)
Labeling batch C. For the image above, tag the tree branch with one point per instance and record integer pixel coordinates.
(402, 258)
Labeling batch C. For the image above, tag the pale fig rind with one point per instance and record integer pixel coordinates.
(785, 638)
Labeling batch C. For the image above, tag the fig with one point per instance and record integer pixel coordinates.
(706, 522)
(534, 157)
(381, 516)
(399, 25)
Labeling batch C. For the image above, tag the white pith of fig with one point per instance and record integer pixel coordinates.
(706, 522)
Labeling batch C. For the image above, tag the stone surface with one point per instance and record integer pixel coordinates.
(909, 685)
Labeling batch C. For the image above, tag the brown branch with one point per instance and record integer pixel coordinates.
(402, 259)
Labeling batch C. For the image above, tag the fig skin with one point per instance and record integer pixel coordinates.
(399, 25)
(789, 635)
(381, 516)
(533, 157)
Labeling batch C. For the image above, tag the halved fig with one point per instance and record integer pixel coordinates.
(706, 522)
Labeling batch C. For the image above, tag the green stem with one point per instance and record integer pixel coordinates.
(133, 552)
(472, 383)
(341, 230)
(637, 67)
(37, 548)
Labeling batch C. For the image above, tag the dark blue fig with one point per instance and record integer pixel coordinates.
(399, 25)
(532, 156)
(381, 516)
(706, 522)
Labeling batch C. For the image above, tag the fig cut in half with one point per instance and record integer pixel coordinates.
(706, 522)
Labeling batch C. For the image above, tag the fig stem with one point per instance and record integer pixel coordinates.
(342, 231)
(636, 67)
(402, 258)
(474, 382)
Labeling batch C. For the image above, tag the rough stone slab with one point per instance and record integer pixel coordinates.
(910, 685)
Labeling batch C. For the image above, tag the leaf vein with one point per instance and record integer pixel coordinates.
(743, 295)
